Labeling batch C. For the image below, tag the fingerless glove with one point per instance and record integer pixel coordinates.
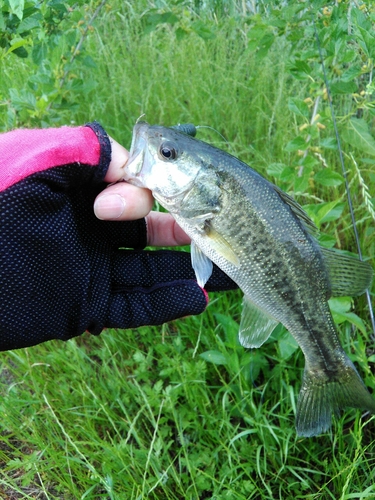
(62, 270)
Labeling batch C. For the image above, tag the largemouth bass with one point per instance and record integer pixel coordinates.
(260, 237)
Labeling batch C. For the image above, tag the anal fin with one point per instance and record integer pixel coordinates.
(256, 326)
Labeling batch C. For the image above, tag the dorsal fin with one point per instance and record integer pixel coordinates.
(298, 211)
(348, 275)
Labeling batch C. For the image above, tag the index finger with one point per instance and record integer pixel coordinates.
(163, 231)
(119, 157)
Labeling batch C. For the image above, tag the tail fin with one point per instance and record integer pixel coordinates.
(324, 393)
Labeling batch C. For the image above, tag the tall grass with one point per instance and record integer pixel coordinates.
(142, 414)
(219, 84)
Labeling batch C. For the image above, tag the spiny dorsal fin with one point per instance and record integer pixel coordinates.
(298, 211)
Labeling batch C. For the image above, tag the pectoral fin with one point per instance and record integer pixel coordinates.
(348, 275)
(221, 245)
(256, 326)
(202, 265)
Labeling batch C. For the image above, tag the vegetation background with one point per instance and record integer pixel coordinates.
(183, 411)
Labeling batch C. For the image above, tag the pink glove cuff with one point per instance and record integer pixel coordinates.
(27, 151)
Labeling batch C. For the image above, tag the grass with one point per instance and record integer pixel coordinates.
(143, 413)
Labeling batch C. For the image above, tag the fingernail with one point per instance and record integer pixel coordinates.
(109, 206)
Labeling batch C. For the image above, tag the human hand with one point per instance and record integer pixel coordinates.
(63, 271)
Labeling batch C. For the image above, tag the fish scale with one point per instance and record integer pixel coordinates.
(265, 242)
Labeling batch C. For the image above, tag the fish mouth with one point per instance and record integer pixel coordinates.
(138, 148)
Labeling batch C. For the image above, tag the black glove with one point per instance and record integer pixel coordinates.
(63, 271)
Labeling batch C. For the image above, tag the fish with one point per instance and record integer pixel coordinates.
(267, 244)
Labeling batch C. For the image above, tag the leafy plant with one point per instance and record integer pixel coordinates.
(47, 37)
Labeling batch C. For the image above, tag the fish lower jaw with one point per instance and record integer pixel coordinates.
(135, 181)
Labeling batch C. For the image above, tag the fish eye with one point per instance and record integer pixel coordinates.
(168, 151)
